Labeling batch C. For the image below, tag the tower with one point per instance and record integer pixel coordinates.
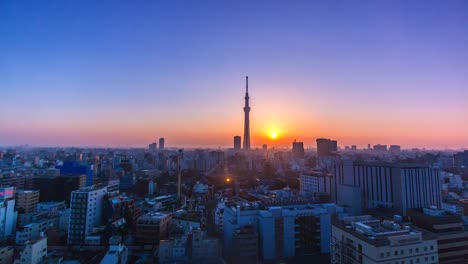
(161, 143)
(246, 117)
(237, 142)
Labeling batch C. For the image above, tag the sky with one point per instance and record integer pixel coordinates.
(124, 73)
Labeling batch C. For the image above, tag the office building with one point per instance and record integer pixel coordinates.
(152, 227)
(326, 147)
(390, 185)
(363, 239)
(380, 147)
(246, 116)
(394, 148)
(8, 213)
(237, 142)
(26, 200)
(161, 143)
(245, 245)
(86, 211)
(153, 146)
(298, 149)
(315, 182)
(265, 147)
(283, 231)
(447, 228)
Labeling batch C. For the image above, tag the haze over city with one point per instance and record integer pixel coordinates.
(118, 74)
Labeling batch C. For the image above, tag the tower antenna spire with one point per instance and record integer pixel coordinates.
(246, 84)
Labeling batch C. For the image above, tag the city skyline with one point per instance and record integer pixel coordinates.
(124, 75)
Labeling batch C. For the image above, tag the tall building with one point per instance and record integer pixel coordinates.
(86, 211)
(161, 143)
(8, 214)
(390, 185)
(246, 117)
(298, 149)
(237, 142)
(363, 239)
(282, 231)
(153, 146)
(265, 147)
(326, 147)
(26, 200)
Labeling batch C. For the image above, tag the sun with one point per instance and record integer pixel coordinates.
(273, 134)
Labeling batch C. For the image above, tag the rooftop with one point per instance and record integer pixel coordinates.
(381, 232)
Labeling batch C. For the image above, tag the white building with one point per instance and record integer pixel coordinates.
(315, 182)
(85, 211)
(34, 252)
(363, 239)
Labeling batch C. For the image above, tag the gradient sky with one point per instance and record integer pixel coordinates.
(118, 73)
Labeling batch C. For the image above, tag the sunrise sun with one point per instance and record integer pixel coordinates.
(273, 135)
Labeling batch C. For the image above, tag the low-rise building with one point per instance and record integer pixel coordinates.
(452, 239)
(152, 227)
(33, 252)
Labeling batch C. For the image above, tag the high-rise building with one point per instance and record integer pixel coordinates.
(153, 146)
(265, 147)
(237, 142)
(26, 200)
(283, 231)
(86, 211)
(363, 239)
(390, 185)
(161, 143)
(298, 149)
(326, 147)
(246, 116)
(8, 214)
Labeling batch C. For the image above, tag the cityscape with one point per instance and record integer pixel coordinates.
(234, 132)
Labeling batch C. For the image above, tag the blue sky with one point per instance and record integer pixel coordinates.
(125, 72)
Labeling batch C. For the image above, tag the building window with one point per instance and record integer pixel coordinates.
(396, 253)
